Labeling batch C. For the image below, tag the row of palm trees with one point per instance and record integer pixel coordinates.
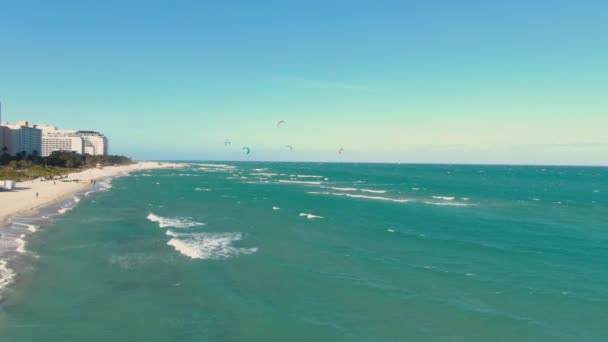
(5, 158)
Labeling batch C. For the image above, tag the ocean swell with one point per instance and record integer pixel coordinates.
(176, 222)
(208, 245)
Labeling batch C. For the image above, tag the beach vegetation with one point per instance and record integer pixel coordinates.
(23, 166)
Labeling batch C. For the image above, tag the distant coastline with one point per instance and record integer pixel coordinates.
(30, 196)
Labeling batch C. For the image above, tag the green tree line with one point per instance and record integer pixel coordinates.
(64, 159)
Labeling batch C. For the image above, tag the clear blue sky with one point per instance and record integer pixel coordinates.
(409, 81)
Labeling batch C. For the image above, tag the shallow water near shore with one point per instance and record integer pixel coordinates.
(309, 251)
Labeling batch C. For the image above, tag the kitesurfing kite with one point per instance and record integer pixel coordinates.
(341, 150)
(247, 150)
(227, 142)
(289, 147)
(280, 123)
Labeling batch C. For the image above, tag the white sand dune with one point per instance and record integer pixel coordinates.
(23, 201)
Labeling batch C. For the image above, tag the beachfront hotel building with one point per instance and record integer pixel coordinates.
(81, 142)
(95, 143)
(21, 137)
(54, 139)
(43, 140)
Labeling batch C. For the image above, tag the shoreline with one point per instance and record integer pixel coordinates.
(23, 200)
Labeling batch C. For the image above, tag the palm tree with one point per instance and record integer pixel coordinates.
(69, 163)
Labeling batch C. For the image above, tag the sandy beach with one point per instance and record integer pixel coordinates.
(23, 201)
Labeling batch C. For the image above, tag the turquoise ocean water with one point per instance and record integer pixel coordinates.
(315, 252)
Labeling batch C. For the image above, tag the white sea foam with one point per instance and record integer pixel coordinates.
(201, 189)
(177, 222)
(171, 233)
(259, 170)
(20, 244)
(29, 227)
(378, 198)
(104, 185)
(298, 182)
(390, 230)
(415, 189)
(6, 274)
(64, 210)
(310, 216)
(76, 199)
(275, 208)
(209, 245)
(447, 198)
(356, 189)
(453, 204)
(266, 174)
(596, 191)
(207, 169)
(218, 166)
(374, 191)
(307, 176)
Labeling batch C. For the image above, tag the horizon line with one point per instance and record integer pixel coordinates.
(370, 162)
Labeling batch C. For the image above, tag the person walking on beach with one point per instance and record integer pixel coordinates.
(36, 195)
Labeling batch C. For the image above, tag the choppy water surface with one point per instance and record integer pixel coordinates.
(302, 251)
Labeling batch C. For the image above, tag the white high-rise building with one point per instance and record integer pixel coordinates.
(21, 138)
(51, 144)
(95, 143)
(82, 142)
(54, 139)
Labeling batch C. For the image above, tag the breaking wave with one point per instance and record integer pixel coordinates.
(176, 222)
(453, 204)
(377, 198)
(209, 245)
(447, 198)
(6, 274)
(310, 216)
(374, 191)
(218, 166)
(299, 182)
